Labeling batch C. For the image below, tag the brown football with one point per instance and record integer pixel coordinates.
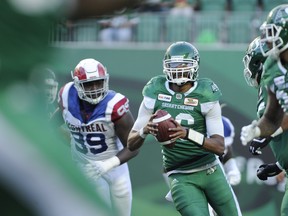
(164, 120)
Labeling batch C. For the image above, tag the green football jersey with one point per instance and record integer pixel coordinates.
(279, 143)
(262, 100)
(189, 110)
(276, 78)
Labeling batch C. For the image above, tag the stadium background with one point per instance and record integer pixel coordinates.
(222, 38)
(130, 67)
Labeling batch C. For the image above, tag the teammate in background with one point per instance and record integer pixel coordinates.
(99, 121)
(253, 69)
(27, 145)
(194, 172)
(274, 31)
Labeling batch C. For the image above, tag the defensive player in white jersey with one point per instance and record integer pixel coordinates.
(25, 152)
(99, 121)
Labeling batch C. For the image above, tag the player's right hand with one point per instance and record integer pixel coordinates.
(249, 132)
(257, 144)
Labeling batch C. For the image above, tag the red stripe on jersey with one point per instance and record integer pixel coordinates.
(101, 70)
(120, 109)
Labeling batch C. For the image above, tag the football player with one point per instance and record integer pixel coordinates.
(231, 169)
(51, 90)
(34, 166)
(274, 78)
(253, 69)
(191, 165)
(99, 121)
(44, 81)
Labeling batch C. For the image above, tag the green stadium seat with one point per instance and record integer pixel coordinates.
(244, 6)
(179, 28)
(148, 28)
(86, 30)
(239, 27)
(208, 23)
(213, 5)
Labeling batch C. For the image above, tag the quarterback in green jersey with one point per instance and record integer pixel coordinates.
(275, 78)
(195, 175)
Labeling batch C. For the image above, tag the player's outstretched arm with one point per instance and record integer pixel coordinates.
(267, 124)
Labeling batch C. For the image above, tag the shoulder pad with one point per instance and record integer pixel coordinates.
(153, 86)
(209, 90)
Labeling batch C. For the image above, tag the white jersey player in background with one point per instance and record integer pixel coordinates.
(99, 121)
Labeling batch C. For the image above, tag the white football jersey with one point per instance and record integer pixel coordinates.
(95, 139)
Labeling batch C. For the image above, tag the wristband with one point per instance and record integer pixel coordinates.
(195, 137)
(257, 132)
(142, 134)
(277, 132)
(278, 165)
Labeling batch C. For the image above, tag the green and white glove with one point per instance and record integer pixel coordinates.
(249, 132)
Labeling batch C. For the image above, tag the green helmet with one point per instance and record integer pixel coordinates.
(181, 63)
(253, 62)
(275, 31)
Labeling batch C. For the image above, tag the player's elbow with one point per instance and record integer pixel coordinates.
(134, 152)
(132, 146)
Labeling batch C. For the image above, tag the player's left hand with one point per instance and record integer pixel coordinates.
(95, 169)
(268, 170)
(257, 144)
(249, 132)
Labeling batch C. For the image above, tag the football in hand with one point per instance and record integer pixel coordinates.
(164, 121)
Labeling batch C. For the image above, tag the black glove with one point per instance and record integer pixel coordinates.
(268, 170)
(257, 144)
